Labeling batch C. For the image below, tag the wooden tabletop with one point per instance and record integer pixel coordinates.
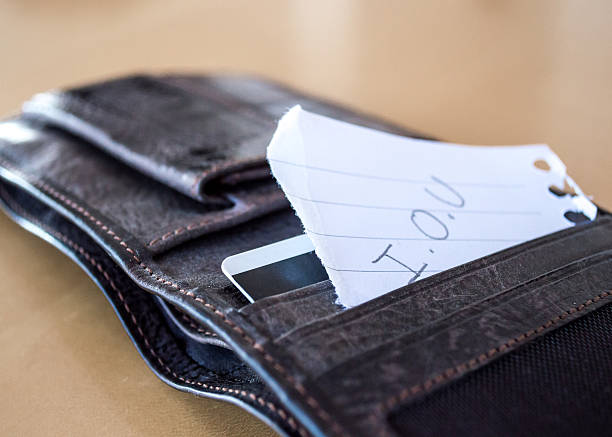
(475, 72)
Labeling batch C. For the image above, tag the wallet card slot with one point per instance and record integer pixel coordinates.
(434, 296)
(188, 326)
(366, 360)
(403, 370)
(199, 261)
(369, 360)
(508, 304)
(277, 315)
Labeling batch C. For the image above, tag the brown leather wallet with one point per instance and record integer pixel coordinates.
(150, 182)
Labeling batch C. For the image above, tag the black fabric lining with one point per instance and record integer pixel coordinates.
(559, 384)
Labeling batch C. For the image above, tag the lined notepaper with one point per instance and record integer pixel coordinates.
(383, 211)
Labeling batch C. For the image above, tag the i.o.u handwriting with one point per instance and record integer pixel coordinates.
(417, 217)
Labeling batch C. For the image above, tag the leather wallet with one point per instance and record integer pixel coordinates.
(148, 183)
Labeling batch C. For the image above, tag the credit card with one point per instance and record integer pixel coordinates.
(274, 269)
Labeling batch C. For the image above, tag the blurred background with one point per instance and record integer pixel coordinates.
(475, 72)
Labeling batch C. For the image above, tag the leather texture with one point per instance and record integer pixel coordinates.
(150, 182)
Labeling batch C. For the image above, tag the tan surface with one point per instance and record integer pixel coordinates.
(473, 71)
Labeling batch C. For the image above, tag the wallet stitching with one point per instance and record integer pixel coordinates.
(299, 387)
(247, 208)
(250, 395)
(196, 327)
(426, 386)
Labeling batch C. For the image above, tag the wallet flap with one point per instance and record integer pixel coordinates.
(181, 139)
(195, 134)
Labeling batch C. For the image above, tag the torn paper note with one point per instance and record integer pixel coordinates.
(383, 211)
